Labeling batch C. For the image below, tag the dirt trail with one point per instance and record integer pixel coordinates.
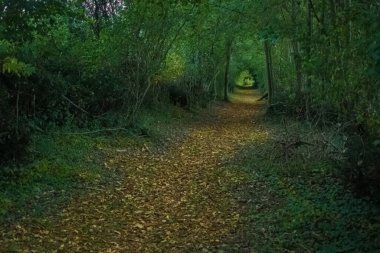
(177, 201)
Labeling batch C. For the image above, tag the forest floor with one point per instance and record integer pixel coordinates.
(180, 198)
(217, 182)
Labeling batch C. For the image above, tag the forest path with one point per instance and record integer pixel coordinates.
(181, 200)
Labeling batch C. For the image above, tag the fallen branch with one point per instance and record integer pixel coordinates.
(75, 105)
(147, 148)
(99, 131)
(263, 97)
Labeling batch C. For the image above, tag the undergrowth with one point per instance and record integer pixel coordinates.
(311, 207)
(68, 161)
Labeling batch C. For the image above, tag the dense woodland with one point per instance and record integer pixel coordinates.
(94, 65)
(98, 63)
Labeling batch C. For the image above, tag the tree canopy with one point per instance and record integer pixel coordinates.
(109, 98)
(73, 62)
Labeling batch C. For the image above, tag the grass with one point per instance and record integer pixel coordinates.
(304, 205)
(63, 165)
(297, 205)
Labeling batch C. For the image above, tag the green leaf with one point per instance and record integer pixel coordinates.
(13, 66)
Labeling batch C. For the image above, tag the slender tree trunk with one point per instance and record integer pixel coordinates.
(227, 68)
(17, 112)
(298, 67)
(349, 21)
(325, 53)
(333, 13)
(97, 17)
(269, 67)
(308, 55)
(296, 56)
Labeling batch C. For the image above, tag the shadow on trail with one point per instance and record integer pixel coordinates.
(176, 201)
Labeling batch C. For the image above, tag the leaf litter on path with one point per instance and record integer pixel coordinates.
(173, 201)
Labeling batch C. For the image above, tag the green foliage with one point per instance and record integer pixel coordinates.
(69, 160)
(68, 63)
(13, 66)
(174, 69)
(303, 205)
(326, 63)
(65, 63)
(60, 164)
(10, 64)
(56, 74)
(5, 47)
(245, 79)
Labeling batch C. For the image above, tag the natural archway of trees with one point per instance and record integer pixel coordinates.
(74, 61)
(77, 67)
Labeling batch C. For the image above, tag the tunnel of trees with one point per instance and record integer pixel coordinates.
(73, 62)
(85, 63)
(70, 62)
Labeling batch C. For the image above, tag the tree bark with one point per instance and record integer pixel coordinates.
(308, 54)
(298, 67)
(227, 68)
(269, 67)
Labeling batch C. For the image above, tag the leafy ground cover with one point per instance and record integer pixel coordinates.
(206, 184)
(302, 203)
(70, 161)
(311, 212)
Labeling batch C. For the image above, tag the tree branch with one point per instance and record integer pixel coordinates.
(75, 105)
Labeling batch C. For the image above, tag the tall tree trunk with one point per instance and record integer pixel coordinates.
(296, 56)
(324, 30)
(97, 17)
(227, 68)
(298, 67)
(269, 67)
(308, 54)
